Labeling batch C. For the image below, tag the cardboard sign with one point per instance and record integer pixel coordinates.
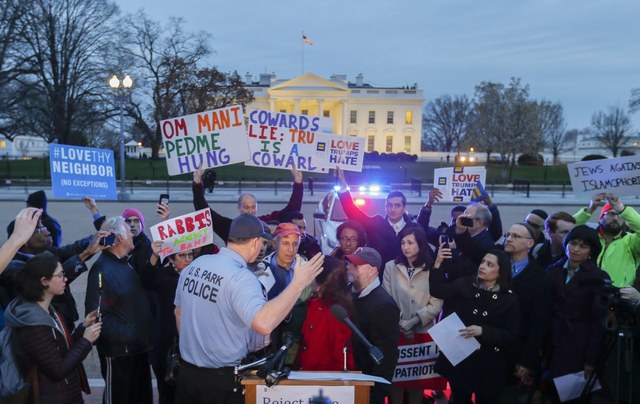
(184, 232)
(458, 183)
(208, 139)
(82, 171)
(416, 364)
(619, 176)
(279, 140)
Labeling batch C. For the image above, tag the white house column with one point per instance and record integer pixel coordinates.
(296, 105)
(320, 106)
(272, 104)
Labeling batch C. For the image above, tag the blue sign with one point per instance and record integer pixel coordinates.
(82, 171)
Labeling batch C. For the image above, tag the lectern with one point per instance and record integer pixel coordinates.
(306, 391)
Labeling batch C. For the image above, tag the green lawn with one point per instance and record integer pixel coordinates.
(382, 173)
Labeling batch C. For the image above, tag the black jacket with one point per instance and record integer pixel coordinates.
(68, 256)
(126, 317)
(498, 315)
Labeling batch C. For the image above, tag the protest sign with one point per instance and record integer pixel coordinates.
(458, 183)
(207, 139)
(82, 171)
(416, 363)
(620, 176)
(184, 232)
(279, 140)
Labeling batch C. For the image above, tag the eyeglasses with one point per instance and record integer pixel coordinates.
(515, 236)
(611, 213)
(185, 255)
(349, 240)
(40, 229)
(60, 275)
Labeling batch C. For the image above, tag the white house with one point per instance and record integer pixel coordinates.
(24, 147)
(389, 118)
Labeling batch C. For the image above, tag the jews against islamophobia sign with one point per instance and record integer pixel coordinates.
(458, 183)
(207, 139)
(82, 171)
(184, 232)
(280, 140)
(619, 176)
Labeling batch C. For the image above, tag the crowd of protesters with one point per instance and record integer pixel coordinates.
(533, 297)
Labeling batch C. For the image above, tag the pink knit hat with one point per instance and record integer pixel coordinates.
(134, 212)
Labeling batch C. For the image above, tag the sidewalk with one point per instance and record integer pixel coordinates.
(229, 194)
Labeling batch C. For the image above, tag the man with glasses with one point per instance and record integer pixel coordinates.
(620, 255)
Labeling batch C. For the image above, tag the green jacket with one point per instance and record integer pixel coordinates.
(621, 257)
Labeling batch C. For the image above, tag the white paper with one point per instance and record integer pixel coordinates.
(570, 386)
(336, 376)
(267, 279)
(447, 336)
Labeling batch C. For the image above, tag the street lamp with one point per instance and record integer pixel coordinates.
(121, 96)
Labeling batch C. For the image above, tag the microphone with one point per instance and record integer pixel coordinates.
(276, 361)
(340, 314)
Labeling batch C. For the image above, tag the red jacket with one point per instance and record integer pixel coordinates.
(323, 338)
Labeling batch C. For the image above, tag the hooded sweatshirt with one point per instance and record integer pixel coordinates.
(41, 342)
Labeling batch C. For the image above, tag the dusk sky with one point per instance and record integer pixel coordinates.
(584, 54)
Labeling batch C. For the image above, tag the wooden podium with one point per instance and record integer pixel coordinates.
(312, 387)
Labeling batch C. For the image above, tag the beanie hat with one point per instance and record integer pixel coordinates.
(541, 213)
(134, 212)
(607, 207)
(38, 200)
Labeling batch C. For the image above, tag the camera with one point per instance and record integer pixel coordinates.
(466, 221)
(610, 297)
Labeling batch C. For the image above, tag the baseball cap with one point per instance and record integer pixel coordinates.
(284, 229)
(365, 255)
(248, 226)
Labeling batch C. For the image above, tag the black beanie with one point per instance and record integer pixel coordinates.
(38, 200)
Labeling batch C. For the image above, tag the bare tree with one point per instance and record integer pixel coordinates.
(634, 101)
(446, 122)
(12, 65)
(162, 58)
(549, 124)
(612, 129)
(63, 43)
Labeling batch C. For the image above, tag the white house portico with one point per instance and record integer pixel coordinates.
(389, 118)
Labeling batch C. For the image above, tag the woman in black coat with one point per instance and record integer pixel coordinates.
(578, 318)
(489, 309)
(164, 280)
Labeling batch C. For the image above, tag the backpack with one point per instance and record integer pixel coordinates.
(13, 387)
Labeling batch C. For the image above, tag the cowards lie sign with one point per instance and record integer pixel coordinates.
(620, 176)
(280, 140)
(458, 183)
(82, 171)
(207, 139)
(184, 232)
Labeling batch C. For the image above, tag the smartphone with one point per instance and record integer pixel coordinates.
(444, 240)
(108, 240)
(164, 199)
(466, 221)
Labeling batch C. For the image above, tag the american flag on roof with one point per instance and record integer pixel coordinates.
(307, 40)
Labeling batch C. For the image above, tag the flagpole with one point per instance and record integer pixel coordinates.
(302, 53)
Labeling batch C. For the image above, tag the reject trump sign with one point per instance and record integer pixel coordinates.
(207, 139)
(459, 183)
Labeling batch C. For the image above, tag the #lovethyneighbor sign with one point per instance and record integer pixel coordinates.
(82, 171)
(207, 139)
(280, 140)
(184, 232)
(457, 183)
(620, 176)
